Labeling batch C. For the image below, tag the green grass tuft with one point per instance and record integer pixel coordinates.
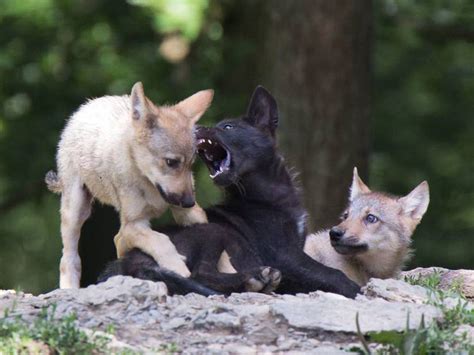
(47, 334)
(437, 338)
(431, 281)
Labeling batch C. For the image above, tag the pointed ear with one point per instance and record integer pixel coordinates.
(139, 102)
(194, 106)
(358, 187)
(263, 110)
(416, 202)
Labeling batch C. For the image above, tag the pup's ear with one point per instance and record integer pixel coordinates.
(139, 102)
(358, 187)
(416, 202)
(263, 110)
(194, 106)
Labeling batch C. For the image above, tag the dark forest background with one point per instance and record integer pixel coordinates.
(386, 85)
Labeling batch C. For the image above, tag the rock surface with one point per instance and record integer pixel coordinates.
(464, 279)
(146, 319)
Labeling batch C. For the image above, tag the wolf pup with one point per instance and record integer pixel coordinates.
(126, 152)
(373, 239)
(261, 224)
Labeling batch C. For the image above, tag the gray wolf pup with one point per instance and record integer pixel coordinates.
(373, 239)
(129, 153)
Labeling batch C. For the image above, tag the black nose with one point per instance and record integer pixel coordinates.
(336, 234)
(188, 201)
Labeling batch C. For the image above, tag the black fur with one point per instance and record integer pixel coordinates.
(261, 222)
(143, 266)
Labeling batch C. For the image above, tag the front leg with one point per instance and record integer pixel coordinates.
(189, 216)
(139, 235)
(302, 274)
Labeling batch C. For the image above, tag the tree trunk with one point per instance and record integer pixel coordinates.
(317, 63)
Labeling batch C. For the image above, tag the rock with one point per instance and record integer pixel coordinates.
(174, 324)
(395, 291)
(147, 320)
(400, 291)
(449, 278)
(239, 349)
(113, 345)
(217, 317)
(462, 278)
(263, 335)
(329, 350)
(421, 272)
(467, 331)
(115, 289)
(334, 313)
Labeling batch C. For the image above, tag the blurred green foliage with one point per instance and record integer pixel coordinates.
(56, 53)
(423, 126)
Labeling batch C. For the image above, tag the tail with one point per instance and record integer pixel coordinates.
(140, 265)
(53, 182)
(178, 285)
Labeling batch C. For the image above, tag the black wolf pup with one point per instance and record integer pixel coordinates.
(261, 224)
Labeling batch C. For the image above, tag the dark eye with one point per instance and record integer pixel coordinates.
(228, 126)
(172, 163)
(345, 215)
(370, 218)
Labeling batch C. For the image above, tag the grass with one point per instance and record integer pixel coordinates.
(436, 338)
(171, 348)
(431, 282)
(47, 335)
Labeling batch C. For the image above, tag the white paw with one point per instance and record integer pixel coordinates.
(266, 280)
(177, 265)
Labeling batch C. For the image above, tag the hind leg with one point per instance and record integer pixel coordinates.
(253, 278)
(75, 209)
(261, 278)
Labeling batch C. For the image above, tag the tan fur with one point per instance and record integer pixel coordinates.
(114, 149)
(224, 265)
(388, 240)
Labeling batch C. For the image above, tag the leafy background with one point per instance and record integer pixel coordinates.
(56, 53)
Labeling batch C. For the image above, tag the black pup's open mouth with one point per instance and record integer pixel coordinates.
(215, 155)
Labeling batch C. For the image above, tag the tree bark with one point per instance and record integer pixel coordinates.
(317, 63)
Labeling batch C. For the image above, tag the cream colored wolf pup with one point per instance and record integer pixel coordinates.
(373, 239)
(126, 152)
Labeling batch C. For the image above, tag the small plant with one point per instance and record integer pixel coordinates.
(47, 334)
(431, 281)
(171, 348)
(406, 342)
(437, 338)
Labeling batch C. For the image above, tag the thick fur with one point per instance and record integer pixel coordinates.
(261, 224)
(363, 249)
(126, 152)
(202, 245)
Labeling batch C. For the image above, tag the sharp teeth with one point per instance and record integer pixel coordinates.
(218, 171)
(227, 161)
